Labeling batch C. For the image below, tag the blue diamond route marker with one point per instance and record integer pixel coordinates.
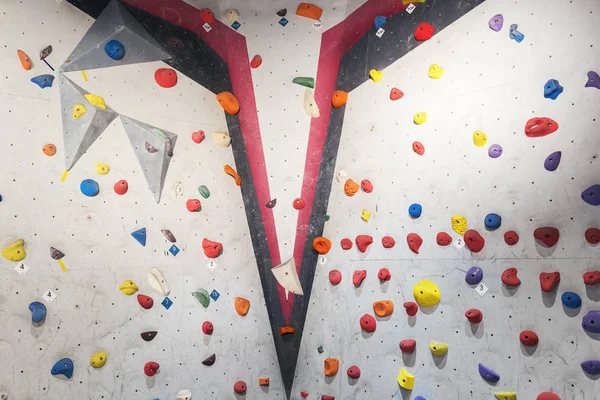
(167, 303)
(215, 295)
(236, 25)
(174, 250)
(283, 22)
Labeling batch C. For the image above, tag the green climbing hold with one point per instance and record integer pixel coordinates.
(159, 133)
(326, 218)
(204, 192)
(202, 296)
(305, 81)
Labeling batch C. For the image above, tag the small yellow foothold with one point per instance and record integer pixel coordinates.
(99, 359)
(128, 288)
(435, 71)
(15, 251)
(78, 110)
(459, 224)
(64, 175)
(420, 118)
(506, 395)
(479, 138)
(102, 169)
(84, 75)
(96, 101)
(426, 293)
(438, 349)
(365, 215)
(376, 75)
(406, 380)
(62, 265)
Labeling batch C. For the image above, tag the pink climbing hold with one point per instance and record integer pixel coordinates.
(388, 242)
(207, 328)
(121, 187)
(193, 205)
(511, 238)
(418, 148)
(443, 239)
(368, 323)
(414, 242)
(335, 277)
(366, 186)
(198, 137)
(363, 242)
(358, 276)
(346, 244)
(165, 77)
(474, 241)
(256, 61)
(411, 308)
(548, 236)
(240, 387)
(474, 315)
(592, 235)
(408, 345)
(327, 397)
(384, 275)
(353, 372)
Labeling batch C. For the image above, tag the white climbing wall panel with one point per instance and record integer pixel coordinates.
(491, 83)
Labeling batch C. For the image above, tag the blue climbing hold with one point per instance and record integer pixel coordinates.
(493, 221)
(140, 236)
(115, 49)
(420, 398)
(89, 187)
(379, 21)
(514, 34)
(591, 367)
(591, 195)
(474, 275)
(571, 300)
(0, 198)
(552, 89)
(43, 81)
(488, 374)
(415, 210)
(38, 312)
(64, 367)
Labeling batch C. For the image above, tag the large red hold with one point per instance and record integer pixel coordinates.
(335, 277)
(424, 31)
(540, 126)
(346, 244)
(408, 345)
(211, 249)
(529, 338)
(474, 241)
(592, 235)
(193, 205)
(547, 235)
(547, 396)
(368, 323)
(388, 242)
(150, 368)
(443, 239)
(358, 276)
(474, 315)
(411, 308)
(165, 77)
(145, 301)
(591, 278)
(414, 242)
(549, 280)
(384, 275)
(509, 277)
(363, 242)
(207, 15)
(511, 238)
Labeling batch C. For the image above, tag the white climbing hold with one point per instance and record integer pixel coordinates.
(232, 15)
(222, 138)
(178, 189)
(184, 394)
(158, 282)
(310, 105)
(341, 176)
(287, 277)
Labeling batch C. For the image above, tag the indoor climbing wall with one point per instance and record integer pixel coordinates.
(125, 173)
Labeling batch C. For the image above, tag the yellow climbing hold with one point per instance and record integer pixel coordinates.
(78, 110)
(15, 251)
(459, 224)
(426, 293)
(365, 215)
(128, 287)
(420, 118)
(438, 349)
(479, 138)
(406, 380)
(435, 71)
(506, 395)
(376, 75)
(99, 359)
(102, 169)
(405, 2)
(96, 101)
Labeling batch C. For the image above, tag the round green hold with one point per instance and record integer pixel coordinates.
(204, 192)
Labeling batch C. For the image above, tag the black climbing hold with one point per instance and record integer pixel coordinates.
(282, 12)
(271, 204)
(210, 360)
(148, 336)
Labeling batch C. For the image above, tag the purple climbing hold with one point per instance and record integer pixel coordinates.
(591, 195)
(488, 374)
(552, 161)
(495, 151)
(591, 321)
(496, 22)
(593, 80)
(474, 275)
(591, 367)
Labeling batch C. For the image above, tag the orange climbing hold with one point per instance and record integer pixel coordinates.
(383, 308)
(25, 60)
(339, 98)
(309, 10)
(321, 245)
(49, 149)
(263, 381)
(229, 102)
(332, 365)
(351, 187)
(231, 172)
(287, 330)
(242, 306)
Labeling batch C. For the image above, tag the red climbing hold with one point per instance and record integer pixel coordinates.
(304, 394)
(540, 126)
(591, 278)
(511, 238)
(592, 235)
(358, 276)
(418, 148)
(207, 328)
(145, 301)
(443, 239)
(353, 372)
(150, 368)
(384, 275)
(121, 187)
(549, 280)
(509, 277)
(411, 308)
(363, 242)
(165, 77)
(414, 242)
(368, 323)
(346, 244)
(256, 61)
(366, 186)
(424, 31)
(240, 387)
(335, 276)
(207, 15)
(529, 338)
(547, 396)
(193, 205)
(547, 235)
(408, 345)
(198, 137)
(327, 397)
(474, 315)
(299, 204)
(396, 94)
(474, 241)
(388, 242)
(211, 249)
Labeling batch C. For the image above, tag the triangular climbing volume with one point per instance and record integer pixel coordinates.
(82, 121)
(115, 23)
(153, 148)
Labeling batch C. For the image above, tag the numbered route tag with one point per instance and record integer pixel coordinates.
(22, 268)
(481, 289)
(411, 7)
(380, 32)
(212, 265)
(49, 296)
(459, 243)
